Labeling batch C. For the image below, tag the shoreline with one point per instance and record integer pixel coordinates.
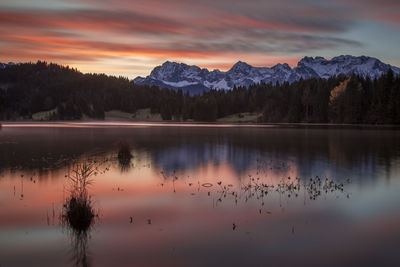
(118, 123)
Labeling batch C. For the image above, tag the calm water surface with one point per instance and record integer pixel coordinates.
(202, 196)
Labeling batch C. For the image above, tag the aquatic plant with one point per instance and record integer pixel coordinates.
(78, 211)
(256, 187)
(79, 214)
(124, 155)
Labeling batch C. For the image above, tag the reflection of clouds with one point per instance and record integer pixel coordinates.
(187, 225)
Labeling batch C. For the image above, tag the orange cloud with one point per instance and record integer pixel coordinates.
(192, 31)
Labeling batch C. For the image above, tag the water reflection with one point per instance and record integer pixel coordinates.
(200, 197)
(310, 151)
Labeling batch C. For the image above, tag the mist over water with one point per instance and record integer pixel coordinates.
(202, 195)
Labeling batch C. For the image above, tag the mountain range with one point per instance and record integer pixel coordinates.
(196, 80)
(4, 65)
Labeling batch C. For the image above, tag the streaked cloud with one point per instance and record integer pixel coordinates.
(140, 34)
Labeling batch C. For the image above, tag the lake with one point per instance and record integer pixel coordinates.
(201, 195)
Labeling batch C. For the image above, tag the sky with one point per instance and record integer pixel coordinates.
(129, 38)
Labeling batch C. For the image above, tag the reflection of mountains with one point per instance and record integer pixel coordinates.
(311, 150)
(192, 155)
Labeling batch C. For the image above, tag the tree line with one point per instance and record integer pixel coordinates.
(29, 88)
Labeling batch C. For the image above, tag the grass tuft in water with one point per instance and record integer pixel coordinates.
(79, 214)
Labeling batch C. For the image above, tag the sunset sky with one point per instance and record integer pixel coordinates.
(129, 38)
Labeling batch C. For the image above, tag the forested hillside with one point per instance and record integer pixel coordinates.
(68, 94)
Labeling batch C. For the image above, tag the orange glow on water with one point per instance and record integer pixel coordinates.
(193, 193)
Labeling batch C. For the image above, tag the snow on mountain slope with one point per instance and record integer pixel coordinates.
(181, 76)
(180, 83)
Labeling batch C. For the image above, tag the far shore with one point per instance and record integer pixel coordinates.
(128, 123)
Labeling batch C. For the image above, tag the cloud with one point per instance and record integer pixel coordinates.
(231, 32)
(91, 31)
(262, 42)
(382, 11)
(95, 20)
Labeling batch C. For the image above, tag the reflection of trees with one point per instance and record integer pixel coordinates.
(307, 149)
(185, 147)
(78, 213)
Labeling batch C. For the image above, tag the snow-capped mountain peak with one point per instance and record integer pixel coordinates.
(241, 67)
(284, 67)
(196, 80)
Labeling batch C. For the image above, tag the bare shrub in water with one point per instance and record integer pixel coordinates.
(78, 211)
